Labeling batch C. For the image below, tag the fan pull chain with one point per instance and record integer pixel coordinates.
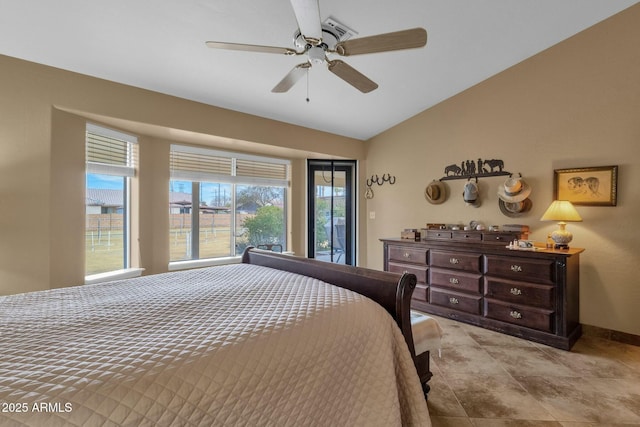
(307, 85)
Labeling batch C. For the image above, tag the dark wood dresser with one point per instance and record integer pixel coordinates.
(472, 277)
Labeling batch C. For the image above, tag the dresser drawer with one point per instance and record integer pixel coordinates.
(421, 293)
(464, 236)
(419, 271)
(530, 317)
(520, 292)
(438, 234)
(530, 270)
(407, 254)
(501, 238)
(455, 260)
(457, 280)
(456, 300)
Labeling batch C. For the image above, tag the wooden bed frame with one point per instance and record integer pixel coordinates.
(391, 290)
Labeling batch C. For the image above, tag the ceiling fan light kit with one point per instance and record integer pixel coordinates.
(317, 40)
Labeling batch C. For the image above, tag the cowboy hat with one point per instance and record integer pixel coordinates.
(436, 192)
(514, 190)
(514, 209)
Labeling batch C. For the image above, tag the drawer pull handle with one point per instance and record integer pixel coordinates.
(516, 314)
(454, 261)
(407, 255)
(454, 281)
(516, 268)
(516, 291)
(454, 300)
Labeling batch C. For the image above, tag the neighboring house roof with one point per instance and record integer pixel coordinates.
(177, 198)
(104, 197)
(115, 198)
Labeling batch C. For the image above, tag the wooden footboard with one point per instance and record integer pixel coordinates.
(391, 290)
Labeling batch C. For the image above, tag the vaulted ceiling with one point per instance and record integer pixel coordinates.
(160, 45)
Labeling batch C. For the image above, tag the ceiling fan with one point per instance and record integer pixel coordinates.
(318, 40)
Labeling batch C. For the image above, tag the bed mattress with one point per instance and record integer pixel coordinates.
(230, 345)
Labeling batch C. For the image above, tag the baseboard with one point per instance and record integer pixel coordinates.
(623, 337)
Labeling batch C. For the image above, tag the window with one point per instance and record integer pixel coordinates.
(111, 162)
(220, 203)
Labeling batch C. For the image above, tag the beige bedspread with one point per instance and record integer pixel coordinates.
(232, 345)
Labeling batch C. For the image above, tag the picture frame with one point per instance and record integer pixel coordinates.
(592, 186)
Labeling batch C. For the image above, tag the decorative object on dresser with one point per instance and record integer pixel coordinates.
(595, 186)
(472, 277)
(562, 211)
(410, 233)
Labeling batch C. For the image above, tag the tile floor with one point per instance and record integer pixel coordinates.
(489, 379)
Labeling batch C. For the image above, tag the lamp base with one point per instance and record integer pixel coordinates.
(562, 236)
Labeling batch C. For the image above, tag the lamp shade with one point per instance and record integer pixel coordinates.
(561, 210)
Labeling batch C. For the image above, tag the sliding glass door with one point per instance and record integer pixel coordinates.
(331, 221)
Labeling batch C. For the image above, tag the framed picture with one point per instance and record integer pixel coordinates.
(587, 186)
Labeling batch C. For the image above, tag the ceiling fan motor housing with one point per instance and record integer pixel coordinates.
(329, 39)
(316, 55)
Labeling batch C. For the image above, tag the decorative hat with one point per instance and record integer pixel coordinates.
(470, 194)
(514, 190)
(436, 192)
(514, 209)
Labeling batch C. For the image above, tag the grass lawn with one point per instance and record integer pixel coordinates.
(104, 252)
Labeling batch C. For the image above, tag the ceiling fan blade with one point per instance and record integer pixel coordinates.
(291, 78)
(308, 16)
(352, 76)
(251, 48)
(405, 39)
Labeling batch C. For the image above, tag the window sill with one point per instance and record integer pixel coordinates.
(127, 273)
(198, 263)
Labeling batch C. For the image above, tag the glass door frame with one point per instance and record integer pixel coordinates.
(349, 167)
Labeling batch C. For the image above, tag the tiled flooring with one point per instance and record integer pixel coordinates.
(489, 379)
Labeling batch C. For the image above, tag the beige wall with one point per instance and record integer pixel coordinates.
(42, 125)
(575, 105)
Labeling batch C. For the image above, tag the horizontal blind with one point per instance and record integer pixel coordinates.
(259, 169)
(110, 152)
(201, 164)
(198, 166)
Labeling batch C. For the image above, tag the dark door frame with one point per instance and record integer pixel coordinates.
(349, 167)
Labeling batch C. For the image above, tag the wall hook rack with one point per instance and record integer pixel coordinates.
(391, 179)
(376, 179)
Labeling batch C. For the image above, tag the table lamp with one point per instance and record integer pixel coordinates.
(561, 211)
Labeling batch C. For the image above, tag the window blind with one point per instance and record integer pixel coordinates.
(260, 169)
(200, 164)
(110, 152)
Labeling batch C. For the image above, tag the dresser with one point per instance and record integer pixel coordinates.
(473, 278)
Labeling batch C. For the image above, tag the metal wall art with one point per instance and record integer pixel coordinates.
(475, 169)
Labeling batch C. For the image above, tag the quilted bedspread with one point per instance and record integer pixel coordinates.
(230, 345)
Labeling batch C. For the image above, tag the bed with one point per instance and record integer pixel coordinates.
(274, 341)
